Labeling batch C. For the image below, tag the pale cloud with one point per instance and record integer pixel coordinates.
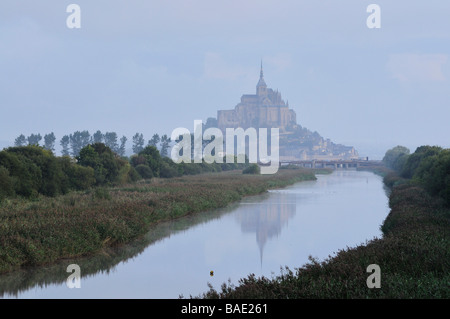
(411, 67)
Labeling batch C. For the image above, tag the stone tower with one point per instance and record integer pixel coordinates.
(261, 87)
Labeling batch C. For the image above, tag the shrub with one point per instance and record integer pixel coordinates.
(6, 184)
(252, 169)
(144, 171)
(80, 177)
(391, 179)
(168, 169)
(103, 160)
(153, 158)
(26, 175)
(133, 175)
(396, 157)
(136, 160)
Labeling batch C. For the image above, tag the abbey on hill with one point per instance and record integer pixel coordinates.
(267, 109)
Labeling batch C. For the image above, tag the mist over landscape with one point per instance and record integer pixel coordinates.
(151, 67)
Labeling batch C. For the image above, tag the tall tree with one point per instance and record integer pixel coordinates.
(97, 137)
(78, 140)
(138, 143)
(165, 141)
(21, 140)
(111, 141)
(49, 141)
(65, 141)
(123, 141)
(34, 139)
(396, 157)
(154, 141)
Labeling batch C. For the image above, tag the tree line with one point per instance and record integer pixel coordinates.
(428, 167)
(73, 143)
(32, 170)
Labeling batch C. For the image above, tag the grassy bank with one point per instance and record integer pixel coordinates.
(413, 255)
(82, 223)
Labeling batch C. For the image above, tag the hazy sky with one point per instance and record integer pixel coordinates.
(152, 66)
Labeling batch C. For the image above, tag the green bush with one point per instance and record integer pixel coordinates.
(168, 168)
(428, 166)
(153, 159)
(133, 175)
(252, 169)
(144, 171)
(396, 157)
(103, 160)
(410, 166)
(26, 175)
(136, 160)
(6, 184)
(80, 177)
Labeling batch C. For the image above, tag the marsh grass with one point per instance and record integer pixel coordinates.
(83, 223)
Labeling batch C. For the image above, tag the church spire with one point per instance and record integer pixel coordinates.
(261, 86)
(261, 73)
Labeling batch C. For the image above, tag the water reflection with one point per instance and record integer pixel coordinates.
(266, 219)
(13, 283)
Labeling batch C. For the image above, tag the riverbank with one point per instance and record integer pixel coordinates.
(413, 255)
(83, 223)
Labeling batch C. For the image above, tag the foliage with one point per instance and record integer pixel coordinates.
(78, 177)
(428, 166)
(138, 143)
(6, 184)
(165, 142)
(65, 141)
(97, 137)
(78, 140)
(20, 140)
(34, 139)
(169, 169)
(151, 158)
(433, 173)
(144, 171)
(105, 163)
(252, 169)
(110, 140)
(396, 157)
(121, 149)
(154, 141)
(32, 170)
(412, 163)
(49, 141)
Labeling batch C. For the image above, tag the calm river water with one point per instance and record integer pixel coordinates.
(258, 235)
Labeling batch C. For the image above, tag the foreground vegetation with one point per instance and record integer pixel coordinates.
(79, 223)
(413, 253)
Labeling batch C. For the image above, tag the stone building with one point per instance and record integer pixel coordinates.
(266, 109)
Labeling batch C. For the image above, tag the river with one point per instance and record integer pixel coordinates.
(258, 235)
